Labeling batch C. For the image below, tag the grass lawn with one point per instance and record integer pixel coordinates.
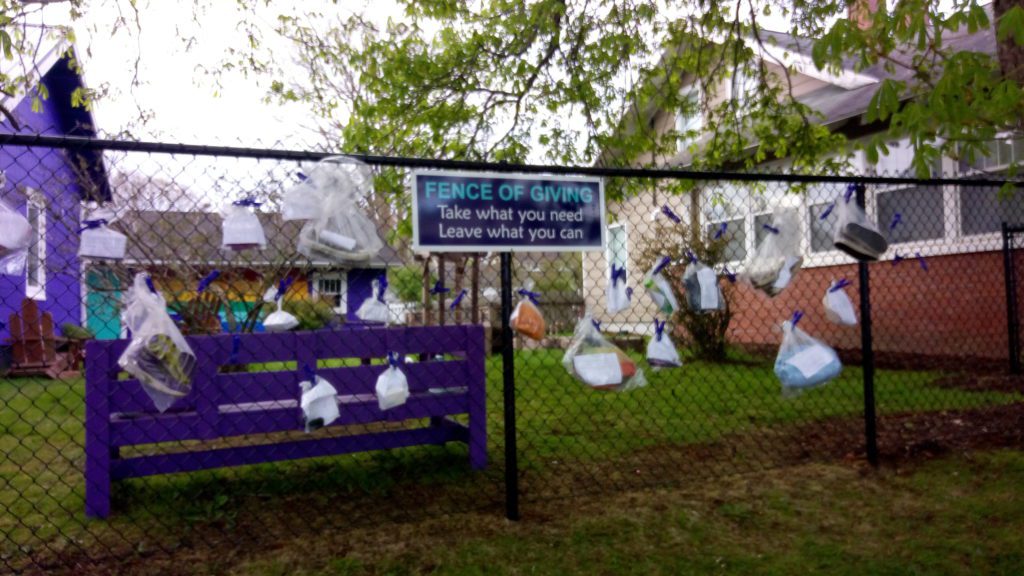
(41, 439)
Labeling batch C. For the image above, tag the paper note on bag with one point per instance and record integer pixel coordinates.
(598, 369)
(810, 361)
(708, 288)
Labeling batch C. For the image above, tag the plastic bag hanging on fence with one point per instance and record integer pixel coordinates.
(804, 362)
(838, 307)
(280, 320)
(392, 387)
(158, 355)
(304, 200)
(660, 290)
(703, 295)
(375, 308)
(661, 352)
(526, 319)
(319, 402)
(598, 363)
(855, 233)
(341, 232)
(777, 259)
(15, 238)
(617, 293)
(97, 240)
(241, 229)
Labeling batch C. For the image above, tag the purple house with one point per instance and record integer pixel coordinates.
(48, 187)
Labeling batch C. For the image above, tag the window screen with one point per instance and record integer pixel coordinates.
(983, 211)
(822, 230)
(921, 214)
(735, 236)
(617, 247)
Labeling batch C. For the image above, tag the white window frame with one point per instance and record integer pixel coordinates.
(686, 123)
(342, 278)
(35, 200)
(608, 249)
(740, 86)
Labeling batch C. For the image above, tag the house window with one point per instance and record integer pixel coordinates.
(921, 214)
(618, 246)
(743, 88)
(333, 287)
(823, 231)
(35, 261)
(999, 154)
(689, 122)
(983, 209)
(735, 236)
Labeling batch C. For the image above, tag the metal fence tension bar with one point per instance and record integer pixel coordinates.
(509, 391)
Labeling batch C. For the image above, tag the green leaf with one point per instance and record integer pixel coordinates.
(1012, 25)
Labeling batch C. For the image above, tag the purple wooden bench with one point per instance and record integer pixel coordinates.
(222, 405)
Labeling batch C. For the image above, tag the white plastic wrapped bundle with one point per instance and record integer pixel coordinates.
(804, 362)
(341, 231)
(302, 201)
(158, 355)
(392, 387)
(703, 295)
(838, 307)
(855, 233)
(241, 227)
(319, 402)
(777, 259)
(598, 363)
(659, 289)
(15, 238)
(98, 240)
(375, 308)
(618, 293)
(661, 352)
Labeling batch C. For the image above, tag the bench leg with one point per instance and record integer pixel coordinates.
(97, 481)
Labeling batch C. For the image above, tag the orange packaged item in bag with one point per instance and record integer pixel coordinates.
(526, 318)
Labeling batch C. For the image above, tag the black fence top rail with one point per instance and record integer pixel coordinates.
(98, 144)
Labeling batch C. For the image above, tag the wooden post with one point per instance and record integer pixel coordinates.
(460, 271)
(474, 297)
(440, 297)
(426, 290)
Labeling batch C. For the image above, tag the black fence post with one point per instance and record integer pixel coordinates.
(867, 353)
(509, 391)
(1010, 279)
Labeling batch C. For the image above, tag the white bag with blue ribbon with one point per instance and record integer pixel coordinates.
(241, 229)
(15, 238)
(661, 352)
(804, 362)
(659, 289)
(375, 308)
(838, 307)
(280, 320)
(618, 294)
(703, 295)
(319, 402)
(777, 259)
(341, 232)
(96, 240)
(392, 386)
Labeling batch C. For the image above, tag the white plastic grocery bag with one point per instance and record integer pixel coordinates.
(618, 294)
(158, 355)
(319, 402)
(804, 362)
(375, 308)
(304, 200)
(15, 238)
(838, 307)
(241, 227)
(97, 240)
(855, 234)
(392, 386)
(777, 259)
(661, 352)
(598, 363)
(280, 320)
(703, 294)
(341, 232)
(659, 289)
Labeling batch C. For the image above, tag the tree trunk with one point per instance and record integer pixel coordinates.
(1011, 56)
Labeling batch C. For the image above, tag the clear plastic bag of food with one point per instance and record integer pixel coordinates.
(855, 234)
(618, 294)
(158, 355)
(392, 386)
(804, 362)
(15, 238)
(703, 294)
(838, 306)
(97, 240)
(659, 289)
(593, 360)
(241, 227)
(777, 259)
(341, 232)
(303, 201)
(661, 352)
(527, 319)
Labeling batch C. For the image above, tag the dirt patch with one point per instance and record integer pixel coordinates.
(982, 382)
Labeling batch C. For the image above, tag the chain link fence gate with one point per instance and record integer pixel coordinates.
(937, 370)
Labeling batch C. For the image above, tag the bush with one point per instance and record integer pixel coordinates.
(407, 283)
(312, 314)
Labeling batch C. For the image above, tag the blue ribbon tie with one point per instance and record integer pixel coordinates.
(458, 300)
(770, 228)
(670, 214)
(247, 202)
(92, 224)
(721, 230)
(827, 211)
(921, 261)
(843, 283)
(661, 265)
(659, 329)
(533, 296)
(205, 282)
(796, 317)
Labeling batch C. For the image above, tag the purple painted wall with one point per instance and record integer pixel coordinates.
(50, 173)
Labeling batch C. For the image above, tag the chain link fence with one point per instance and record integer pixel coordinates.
(94, 474)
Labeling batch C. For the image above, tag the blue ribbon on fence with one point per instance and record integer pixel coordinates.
(92, 224)
(382, 287)
(671, 215)
(439, 288)
(691, 257)
(897, 218)
(533, 296)
(205, 282)
(236, 345)
(850, 189)
(597, 325)
(247, 202)
(770, 228)
(393, 359)
(665, 261)
(731, 276)
(797, 315)
(629, 294)
(827, 211)
(149, 284)
(282, 287)
(896, 259)
(921, 261)
(618, 274)
(302, 177)
(843, 283)
(721, 230)
(659, 329)
(458, 300)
